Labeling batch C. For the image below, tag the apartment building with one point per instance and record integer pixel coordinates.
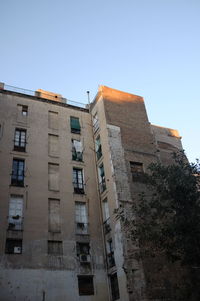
(64, 169)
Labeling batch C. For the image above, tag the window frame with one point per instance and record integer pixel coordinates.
(75, 125)
(15, 181)
(24, 110)
(78, 180)
(76, 155)
(98, 148)
(15, 222)
(114, 286)
(60, 248)
(137, 171)
(95, 122)
(81, 219)
(16, 243)
(82, 288)
(19, 144)
(102, 178)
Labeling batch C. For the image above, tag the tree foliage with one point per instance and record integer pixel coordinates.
(166, 217)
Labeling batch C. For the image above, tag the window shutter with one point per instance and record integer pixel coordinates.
(75, 123)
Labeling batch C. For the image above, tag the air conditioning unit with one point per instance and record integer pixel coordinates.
(17, 250)
(84, 258)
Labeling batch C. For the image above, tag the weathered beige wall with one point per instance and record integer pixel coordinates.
(36, 195)
(167, 142)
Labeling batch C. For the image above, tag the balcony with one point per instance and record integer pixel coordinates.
(79, 188)
(15, 223)
(82, 228)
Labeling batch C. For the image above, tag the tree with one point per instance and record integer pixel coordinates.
(165, 219)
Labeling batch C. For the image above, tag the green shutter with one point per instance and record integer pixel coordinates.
(75, 123)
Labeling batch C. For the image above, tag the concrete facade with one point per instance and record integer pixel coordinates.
(68, 177)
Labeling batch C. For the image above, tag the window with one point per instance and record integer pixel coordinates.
(83, 252)
(13, 246)
(102, 179)
(106, 216)
(78, 180)
(95, 122)
(75, 125)
(85, 285)
(110, 253)
(53, 145)
(53, 120)
(55, 247)
(77, 150)
(15, 212)
(22, 113)
(81, 218)
(53, 173)
(114, 286)
(54, 216)
(24, 110)
(137, 171)
(20, 140)
(1, 131)
(17, 177)
(98, 148)
(82, 248)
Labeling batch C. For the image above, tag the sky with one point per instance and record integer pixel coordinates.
(149, 48)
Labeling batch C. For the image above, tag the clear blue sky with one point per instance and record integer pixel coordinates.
(147, 47)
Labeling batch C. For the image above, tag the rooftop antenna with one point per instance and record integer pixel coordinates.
(88, 94)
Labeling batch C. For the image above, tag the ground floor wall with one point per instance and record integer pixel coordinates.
(47, 285)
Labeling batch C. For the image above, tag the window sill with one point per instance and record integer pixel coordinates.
(14, 185)
(54, 156)
(19, 153)
(75, 132)
(19, 150)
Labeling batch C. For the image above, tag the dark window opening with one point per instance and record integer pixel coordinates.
(82, 248)
(137, 171)
(98, 148)
(24, 110)
(78, 182)
(85, 285)
(114, 287)
(20, 140)
(75, 125)
(83, 252)
(102, 179)
(17, 177)
(82, 228)
(106, 226)
(110, 254)
(13, 246)
(55, 247)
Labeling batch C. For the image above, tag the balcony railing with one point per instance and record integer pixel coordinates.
(15, 223)
(95, 125)
(79, 188)
(82, 228)
(35, 93)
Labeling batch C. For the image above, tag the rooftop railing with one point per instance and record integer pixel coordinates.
(42, 94)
